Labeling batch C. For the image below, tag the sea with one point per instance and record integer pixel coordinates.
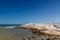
(9, 32)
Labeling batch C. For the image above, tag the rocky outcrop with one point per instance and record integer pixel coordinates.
(46, 29)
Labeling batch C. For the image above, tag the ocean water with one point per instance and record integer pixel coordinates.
(13, 33)
(10, 33)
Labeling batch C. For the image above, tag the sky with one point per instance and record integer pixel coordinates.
(29, 11)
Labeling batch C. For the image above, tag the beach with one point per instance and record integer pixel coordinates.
(13, 34)
(21, 34)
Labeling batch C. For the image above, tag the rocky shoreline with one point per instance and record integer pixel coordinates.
(43, 29)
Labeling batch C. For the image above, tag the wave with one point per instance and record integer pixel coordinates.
(10, 26)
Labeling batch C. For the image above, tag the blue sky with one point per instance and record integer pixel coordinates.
(26, 11)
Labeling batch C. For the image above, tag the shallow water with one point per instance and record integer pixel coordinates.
(13, 34)
(19, 34)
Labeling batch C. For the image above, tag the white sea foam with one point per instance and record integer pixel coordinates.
(47, 26)
(10, 26)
